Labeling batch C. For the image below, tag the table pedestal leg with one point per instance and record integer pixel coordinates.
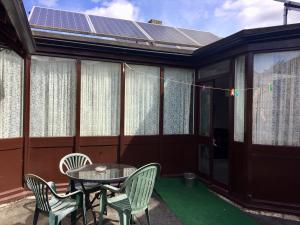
(102, 205)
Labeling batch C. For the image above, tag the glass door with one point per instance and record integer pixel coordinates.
(214, 130)
(220, 131)
(205, 110)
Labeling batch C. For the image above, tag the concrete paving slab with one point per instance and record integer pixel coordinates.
(21, 213)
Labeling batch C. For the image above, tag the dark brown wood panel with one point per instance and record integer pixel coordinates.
(141, 140)
(51, 142)
(238, 173)
(178, 157)
(45, 154)
(11, 143)
(101, 154)
(44, 162)
(11, 164)
(99, 141)
(140, 154)
(274, 174)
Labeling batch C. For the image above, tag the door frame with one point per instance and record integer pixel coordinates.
(208, 140)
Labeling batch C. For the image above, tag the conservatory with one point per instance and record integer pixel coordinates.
(129, 92)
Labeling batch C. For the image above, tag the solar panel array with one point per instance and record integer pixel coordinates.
(116, 27)
(203, 38)
(51, 19)
(165, 34)
(57, 19)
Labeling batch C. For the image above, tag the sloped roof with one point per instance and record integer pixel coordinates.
(96, 29)
(17, 26)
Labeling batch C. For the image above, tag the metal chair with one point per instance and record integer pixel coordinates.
(52, 204)
(133, 195)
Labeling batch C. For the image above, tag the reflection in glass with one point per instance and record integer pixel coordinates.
(205, 111)
(100, 98)
(214, 69)
(11, 94)
(239, 99)
(178, 101)
(203, 158)
(142, 85)
(276, 99)
(52, 96)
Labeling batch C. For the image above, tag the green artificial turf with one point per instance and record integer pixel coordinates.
(198, 206)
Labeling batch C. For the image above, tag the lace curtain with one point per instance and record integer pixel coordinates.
(11, 94)
(100, 99)
(52, 97)
(276, 99)
(239, 99)
(178, 101)
(142, 85)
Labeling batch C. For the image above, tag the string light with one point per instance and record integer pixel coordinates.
(270, 87)
(232, 92)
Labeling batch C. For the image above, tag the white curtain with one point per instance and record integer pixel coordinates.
(100, 99)
(276, 99)
(142, 85)
(52, 97)
(239, 99)
(11, 94)
(178, 101)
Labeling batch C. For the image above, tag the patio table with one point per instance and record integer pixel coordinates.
(99, 173)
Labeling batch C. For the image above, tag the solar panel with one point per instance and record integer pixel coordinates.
(203, 38)
(117, 27)
(165, 34)
(60, 20)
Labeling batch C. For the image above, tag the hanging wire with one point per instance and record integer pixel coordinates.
(231, 90)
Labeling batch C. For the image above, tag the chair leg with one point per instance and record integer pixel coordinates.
(147, 216)
(84, 220)
(53, 220)
(125, 217)
(73, 217)
(102, 205)
(36, 216)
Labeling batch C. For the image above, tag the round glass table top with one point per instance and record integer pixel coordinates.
(101, 172)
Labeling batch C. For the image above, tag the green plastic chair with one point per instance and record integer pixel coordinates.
(52, 204)
(133, 195)
(74, 161)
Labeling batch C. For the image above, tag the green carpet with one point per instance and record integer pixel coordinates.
(198, 206)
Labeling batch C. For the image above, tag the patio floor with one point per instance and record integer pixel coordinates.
(175, 205)
(21, 213)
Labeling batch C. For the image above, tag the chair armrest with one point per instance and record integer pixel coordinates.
(110, 188)
(52, 185)
(72, 194)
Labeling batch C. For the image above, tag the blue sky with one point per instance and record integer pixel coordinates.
(221, 17)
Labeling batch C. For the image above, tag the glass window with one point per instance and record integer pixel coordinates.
(11, 94)
(100, 99)
(239, 99)
(205, 110)
(178, 101)
(203, 154)
(276, 99)
(52, 97)
(214, 69)
(142, 93)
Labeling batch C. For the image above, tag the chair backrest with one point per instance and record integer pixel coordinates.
(139, 186)
(40, 189)
(73, 161)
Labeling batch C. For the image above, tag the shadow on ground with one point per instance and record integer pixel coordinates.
(21, 213)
